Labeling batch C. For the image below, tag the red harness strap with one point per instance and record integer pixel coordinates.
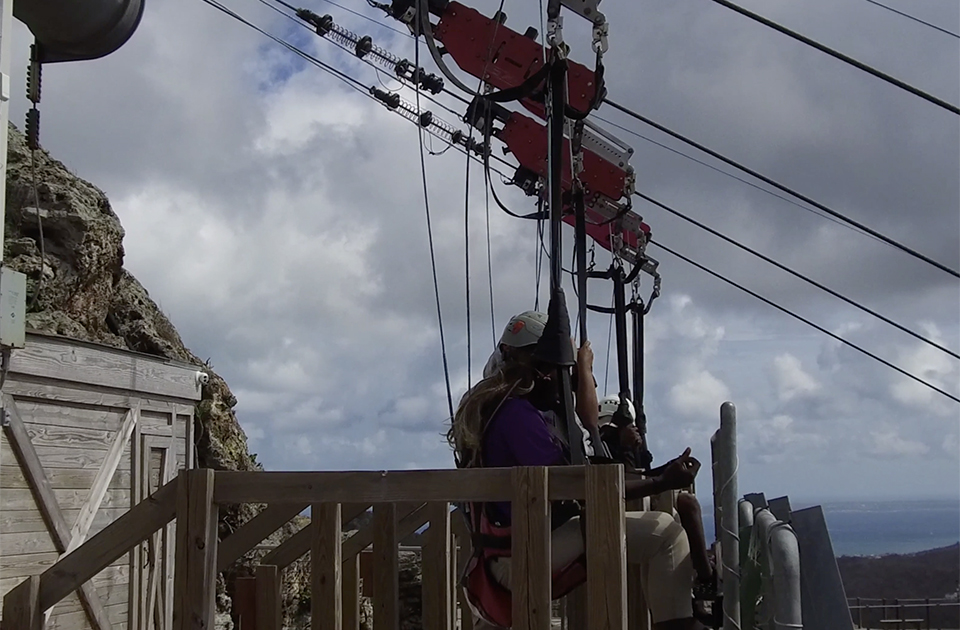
(492, 600)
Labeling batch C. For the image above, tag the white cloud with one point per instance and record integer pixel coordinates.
(699, 395)
(791, 379)
(889, 443)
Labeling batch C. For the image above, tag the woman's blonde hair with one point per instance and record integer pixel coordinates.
(513, 378)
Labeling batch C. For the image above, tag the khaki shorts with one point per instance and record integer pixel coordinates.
(655, 541)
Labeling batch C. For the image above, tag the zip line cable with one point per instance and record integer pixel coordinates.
(797, 274)
(493, 321)
(806, 321)
(789, 191)
(732, 176)
(356, 13)
(365, 59)
(838, 55)
(433, 260)
(914, 18)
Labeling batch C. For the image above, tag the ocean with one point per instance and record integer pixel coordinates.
(871, 528)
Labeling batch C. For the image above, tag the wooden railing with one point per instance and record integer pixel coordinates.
(402, 501)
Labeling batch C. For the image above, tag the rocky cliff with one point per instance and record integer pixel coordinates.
(77, 287)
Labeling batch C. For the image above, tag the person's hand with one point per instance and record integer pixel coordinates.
(629, 437)
(681, 472)
(585, 359)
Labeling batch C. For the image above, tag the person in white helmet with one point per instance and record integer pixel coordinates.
(623, 443)
(520, 337)
(503, 422)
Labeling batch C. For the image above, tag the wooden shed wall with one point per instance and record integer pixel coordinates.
(73, 398)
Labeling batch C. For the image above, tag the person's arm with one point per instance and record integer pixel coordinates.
(588, 406)
(678, 474)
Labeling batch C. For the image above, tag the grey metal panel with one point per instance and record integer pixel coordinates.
(68, 30)
(780, 508)
(756, 499)
(824, 600)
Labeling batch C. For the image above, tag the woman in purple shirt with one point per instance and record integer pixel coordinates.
(506, 421)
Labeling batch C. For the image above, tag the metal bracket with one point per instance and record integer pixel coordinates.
(586, 8)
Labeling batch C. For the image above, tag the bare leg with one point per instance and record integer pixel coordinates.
(688, 508)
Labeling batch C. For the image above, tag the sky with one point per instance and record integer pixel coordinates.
(277, 216)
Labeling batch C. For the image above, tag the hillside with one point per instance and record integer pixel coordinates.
(932, 574)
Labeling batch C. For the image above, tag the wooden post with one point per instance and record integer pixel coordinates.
(530, 551)
(325, 563)
(244, 603)
(21, 606)
(351, 593)
(577, 609)
(606, 549)
(196, 568)
(386, 567)
(435, 567)
(268, 602)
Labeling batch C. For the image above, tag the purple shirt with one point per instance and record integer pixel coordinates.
(520, 435)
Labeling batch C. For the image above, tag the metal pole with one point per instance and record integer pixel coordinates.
(6, 35)
(785, 566)
(580, 242)
(620, 322)
(556, 90)
(727, 463)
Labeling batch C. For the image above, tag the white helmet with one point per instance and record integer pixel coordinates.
(524, 329)
(609, 406)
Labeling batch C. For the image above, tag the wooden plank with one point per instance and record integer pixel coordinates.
(28, 564)
(386, 582)
(111, 594)
(48, 505)
(75, 620)
(68, 360)
(530, 550)
(68, 499)
(12, 477)
(407, 524)
(134, 612)
(435, 567)
(169, 536)
(290, 550)
(108, 545)
(464, 485)
(606, 549)
(30, 521)
(244, 603)
(269, 601)
(251, 533)
(66, 414)
(45, 391)
(196, 566)
(64, 457)
(27, 543)
(325, 580)
(21, 606)
(576, 606)
(99, 489)
(112, 575)
(16, 433)
(351, 593)
(71, 437)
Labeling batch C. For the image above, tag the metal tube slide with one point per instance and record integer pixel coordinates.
(784, 552)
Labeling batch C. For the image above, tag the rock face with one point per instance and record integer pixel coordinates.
(77, 287)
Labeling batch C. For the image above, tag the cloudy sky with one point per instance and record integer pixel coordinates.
(277, 216)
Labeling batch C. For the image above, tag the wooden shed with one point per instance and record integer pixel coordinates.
(88, 431)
